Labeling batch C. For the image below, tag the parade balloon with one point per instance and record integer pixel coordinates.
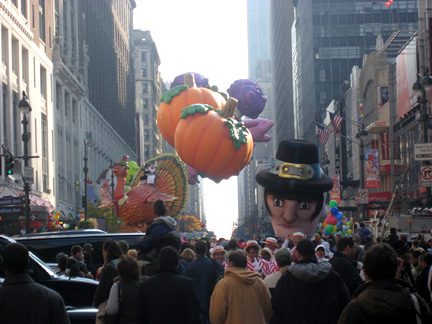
(349, 231)
(334, 211)
(329, 228)
(339, 216)
(333, 203)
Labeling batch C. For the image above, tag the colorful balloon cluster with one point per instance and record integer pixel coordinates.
(335, 222)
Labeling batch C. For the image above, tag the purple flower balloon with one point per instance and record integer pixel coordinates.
(200, 80)
(251, 100)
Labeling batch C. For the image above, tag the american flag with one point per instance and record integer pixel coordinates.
(336, 121)
(323, 134)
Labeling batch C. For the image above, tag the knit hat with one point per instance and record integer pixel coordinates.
(400, 247)
(270, 241)
(283, 256)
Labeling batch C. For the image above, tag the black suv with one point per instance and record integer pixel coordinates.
(47, 245)
(76, 292)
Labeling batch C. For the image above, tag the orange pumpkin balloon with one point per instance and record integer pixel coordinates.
(213, 143)
(177, 98)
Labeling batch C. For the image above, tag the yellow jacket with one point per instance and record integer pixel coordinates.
(240, 297)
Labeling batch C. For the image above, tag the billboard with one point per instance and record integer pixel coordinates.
(406, 73)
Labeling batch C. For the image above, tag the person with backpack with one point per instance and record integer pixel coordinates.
(384, 299)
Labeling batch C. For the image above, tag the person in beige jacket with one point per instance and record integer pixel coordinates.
(241, 296)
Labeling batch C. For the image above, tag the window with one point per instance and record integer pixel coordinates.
(145, 103)
(24, 8)
(146, 135)
(43, 82)
(42, 20)
(143, 56)
(144, 72)
(44, 153)
(144, 87)
(146, 119)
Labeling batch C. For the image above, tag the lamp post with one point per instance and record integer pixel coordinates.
(25, 108)
(111, 167)
(360, 135)
(85, 169)
(422, 85)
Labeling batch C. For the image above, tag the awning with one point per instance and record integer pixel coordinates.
(378, 127)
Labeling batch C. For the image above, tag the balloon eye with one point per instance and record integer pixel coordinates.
(124, 168)
(304, 205)
(278, 202)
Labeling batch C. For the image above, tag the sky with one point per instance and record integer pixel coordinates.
(208, 37)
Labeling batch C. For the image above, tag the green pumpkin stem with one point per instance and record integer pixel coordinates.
(189, 80)
(229, 108)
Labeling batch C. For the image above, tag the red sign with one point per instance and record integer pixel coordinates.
(380, 197)
(385, 146)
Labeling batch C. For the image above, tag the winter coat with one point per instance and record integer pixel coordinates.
(345, 267)
(125, 304)
(309, 292)
(384, 301)
(167, 297)
(158, 228)
(240, 297)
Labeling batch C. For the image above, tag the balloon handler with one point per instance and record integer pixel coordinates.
(295, 189)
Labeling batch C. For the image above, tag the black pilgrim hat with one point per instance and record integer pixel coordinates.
(296, 171)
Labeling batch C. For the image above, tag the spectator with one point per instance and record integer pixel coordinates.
(62, 260)
(132, 253)
(88, 261)
(309, 292)
(254, 262)
(320, 254)
(77, 254)
(283, 260)
(271, 266)
(384, 299)
(232, 246)
(218, 254)
(124, 246)
(297, 236)
(160, 227)
(203, 272)
(421, 283)
(393, 236)
(241, 296)
(111, 253)
(414, 258)
(343, 264)
(168, 287)
(21, 299)
(123, 294)
(365, 234)
(402, 251)
(72, 269)
(271, 243)
(360, 251)
(188, 255)
(317, 239)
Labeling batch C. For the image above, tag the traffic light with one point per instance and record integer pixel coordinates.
(10, 162)
(77, 186)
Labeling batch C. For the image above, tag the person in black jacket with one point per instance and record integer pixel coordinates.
(342, 262)
(309, 292)
(168, 297)
(384, 299)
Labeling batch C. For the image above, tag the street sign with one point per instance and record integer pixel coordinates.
(11, 210)
(12, 201)
(28, 174)
(363, 196)
(426, 176)
(423, 152)
(23, 218)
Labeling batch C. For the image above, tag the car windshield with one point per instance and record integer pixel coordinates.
(43, 265)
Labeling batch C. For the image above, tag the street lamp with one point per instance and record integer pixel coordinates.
(85, 169)
(362, 133)
(25, 108)
(111, 167)
(422, 85)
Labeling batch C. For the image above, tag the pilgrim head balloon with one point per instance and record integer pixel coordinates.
(295, 189)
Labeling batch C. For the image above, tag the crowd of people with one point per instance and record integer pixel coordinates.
(339, 279)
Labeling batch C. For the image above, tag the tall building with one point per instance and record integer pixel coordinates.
(282, 14)
(148, 91)
(106, 27)
(329, 37)
(251, 210)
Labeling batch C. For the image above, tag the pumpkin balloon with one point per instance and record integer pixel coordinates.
(213, 142)
(177, 98)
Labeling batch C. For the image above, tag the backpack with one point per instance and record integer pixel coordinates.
(218, 273)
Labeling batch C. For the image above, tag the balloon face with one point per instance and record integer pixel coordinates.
(290, 216)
